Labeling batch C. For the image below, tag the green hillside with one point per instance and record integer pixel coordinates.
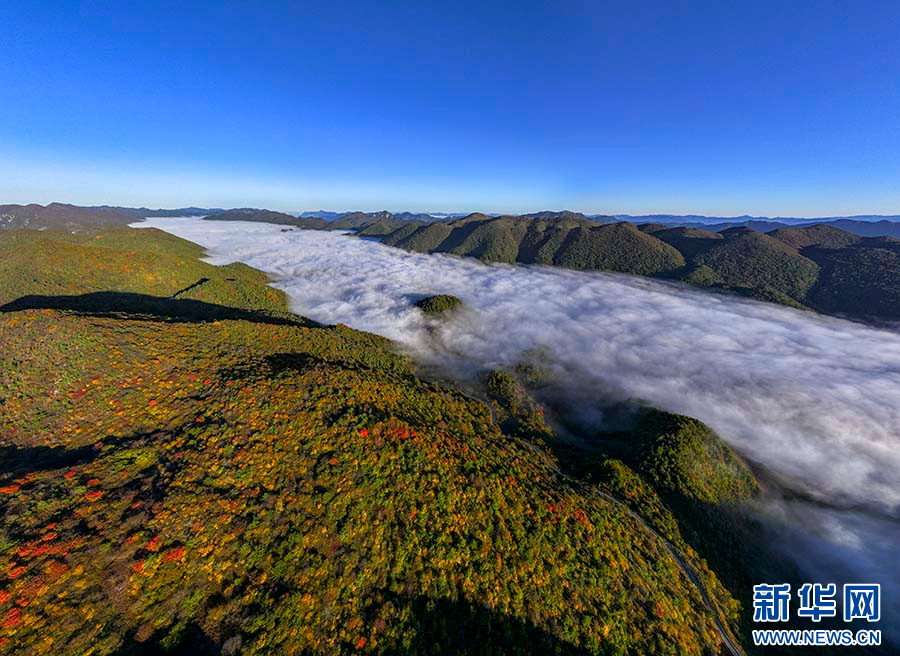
(861, 280)
(439, 304)
(185, 467)
(145, 261)
(380, 223)
(543, 240)
(754, 260)
(394, 235)
(567, 241)
(617, 247)
(821, 236)
(421, 239)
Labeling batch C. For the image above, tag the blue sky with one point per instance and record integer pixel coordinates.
(778, 108)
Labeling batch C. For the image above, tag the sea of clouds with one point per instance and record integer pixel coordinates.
(814, 400)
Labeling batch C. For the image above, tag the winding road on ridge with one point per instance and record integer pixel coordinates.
(728, 641)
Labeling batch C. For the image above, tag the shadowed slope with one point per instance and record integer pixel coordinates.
(144, 306)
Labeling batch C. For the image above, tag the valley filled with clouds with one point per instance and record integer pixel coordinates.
(813, 400)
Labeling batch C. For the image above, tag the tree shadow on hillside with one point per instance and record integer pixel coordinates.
(192, 641)
(438, 626)
(445, 626)
(277, 364)
(128, 305)
(21, 460)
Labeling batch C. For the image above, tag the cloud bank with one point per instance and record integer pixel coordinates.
(813, 399)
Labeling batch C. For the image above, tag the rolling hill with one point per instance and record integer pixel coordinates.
(750, 259)
(617, 247)
(568, 240)
(822, 236)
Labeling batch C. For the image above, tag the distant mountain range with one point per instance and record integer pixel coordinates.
(843, 265)
(61, 215)
(318, 214)
(407, 216)
(143, 212)
(66, 216)
(866, 225)
(308, 220)
(688, 219)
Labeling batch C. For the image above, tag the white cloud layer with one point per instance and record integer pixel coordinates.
(813, 399)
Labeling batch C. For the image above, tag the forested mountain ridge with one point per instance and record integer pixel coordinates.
(818, 267)
(60, 215)
(76, 217)
(144, 212)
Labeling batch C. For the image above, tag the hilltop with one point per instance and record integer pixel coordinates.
(439, 304)
(186, 466)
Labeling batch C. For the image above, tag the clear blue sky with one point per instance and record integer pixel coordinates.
(786, 107)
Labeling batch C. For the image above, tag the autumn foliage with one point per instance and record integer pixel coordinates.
(286, 487)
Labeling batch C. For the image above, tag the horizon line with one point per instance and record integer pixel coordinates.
(681, 214)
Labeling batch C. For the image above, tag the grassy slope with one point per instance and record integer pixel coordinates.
(179, 475)
(146, 261)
